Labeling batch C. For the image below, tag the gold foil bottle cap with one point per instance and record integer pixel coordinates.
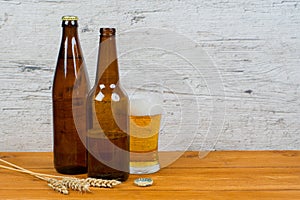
(69, 18)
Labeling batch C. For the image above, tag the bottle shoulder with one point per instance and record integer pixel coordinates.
(107, 92)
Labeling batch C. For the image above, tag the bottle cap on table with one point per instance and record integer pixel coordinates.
(143, 182)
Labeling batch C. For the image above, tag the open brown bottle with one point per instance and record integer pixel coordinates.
(107, 115)
(69, 93)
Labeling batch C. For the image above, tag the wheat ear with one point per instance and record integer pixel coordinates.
(94, 182)
(57, 185)
(76, 184)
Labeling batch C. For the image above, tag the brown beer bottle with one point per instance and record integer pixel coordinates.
(69, 93)
(108, 116)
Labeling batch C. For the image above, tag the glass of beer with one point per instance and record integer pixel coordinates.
(145, 119)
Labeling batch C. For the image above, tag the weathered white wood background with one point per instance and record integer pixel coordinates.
(255, 46)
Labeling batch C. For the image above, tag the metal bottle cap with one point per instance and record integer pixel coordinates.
(69, 18)
(143, 182)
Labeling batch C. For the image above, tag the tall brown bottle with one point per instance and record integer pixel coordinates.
(108, 114)
(70, 90)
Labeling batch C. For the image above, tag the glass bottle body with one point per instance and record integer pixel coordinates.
(69, 93)
(107, 116)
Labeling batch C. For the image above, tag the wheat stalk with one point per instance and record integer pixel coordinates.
(62, 185)
(55, 184)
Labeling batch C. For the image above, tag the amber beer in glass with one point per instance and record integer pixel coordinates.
(69, 92)
(108, 116)
(145, 120)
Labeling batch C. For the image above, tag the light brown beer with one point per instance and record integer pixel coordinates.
(144, 140)
(144, 133)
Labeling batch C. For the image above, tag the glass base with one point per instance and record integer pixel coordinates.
(144, 170)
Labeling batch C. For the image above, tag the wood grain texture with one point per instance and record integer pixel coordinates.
(254, 45)
(219, 175)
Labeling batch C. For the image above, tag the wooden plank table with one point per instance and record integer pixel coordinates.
(219, 175)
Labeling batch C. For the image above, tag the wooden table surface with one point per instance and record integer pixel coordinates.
(219, 175)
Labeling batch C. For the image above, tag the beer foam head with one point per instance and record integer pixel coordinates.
(145, 105)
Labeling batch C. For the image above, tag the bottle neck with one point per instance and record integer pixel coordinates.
(107, 69)
(70, 28)
(70, 46)
(70, 31)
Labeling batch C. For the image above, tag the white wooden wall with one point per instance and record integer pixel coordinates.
(254, 45)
